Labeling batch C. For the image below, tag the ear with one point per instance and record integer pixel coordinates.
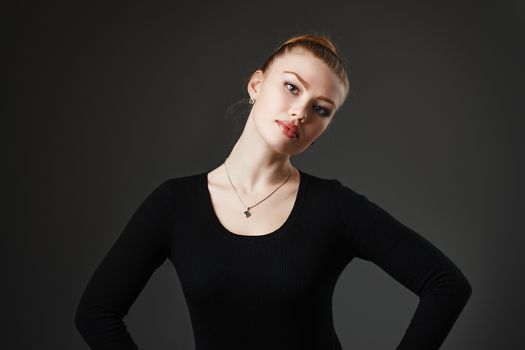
(254, 84)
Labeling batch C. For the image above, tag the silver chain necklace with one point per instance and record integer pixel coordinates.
(247, 211)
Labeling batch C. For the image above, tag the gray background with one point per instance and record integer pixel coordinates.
(110, 101)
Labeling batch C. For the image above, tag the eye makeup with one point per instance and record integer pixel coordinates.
(307, 86)
(325, 112)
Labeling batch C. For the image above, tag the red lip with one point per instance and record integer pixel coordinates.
(289, 126)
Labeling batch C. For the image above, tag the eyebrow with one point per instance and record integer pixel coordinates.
(306, 85)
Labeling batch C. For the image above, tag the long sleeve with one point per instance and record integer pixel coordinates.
(118, 280)
(372, 234)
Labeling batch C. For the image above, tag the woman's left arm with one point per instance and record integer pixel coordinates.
(373, 234)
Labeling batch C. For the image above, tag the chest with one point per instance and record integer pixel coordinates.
(265, 217)
(217, 268)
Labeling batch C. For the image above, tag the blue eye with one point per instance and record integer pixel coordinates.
(324, 112)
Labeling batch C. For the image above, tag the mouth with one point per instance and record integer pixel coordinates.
(289, 127)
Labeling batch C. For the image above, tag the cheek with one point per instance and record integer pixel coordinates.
(319, 127)
(276, 97)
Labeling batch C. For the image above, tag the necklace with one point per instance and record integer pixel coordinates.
(247, 211)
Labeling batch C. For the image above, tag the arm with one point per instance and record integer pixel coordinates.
(372, 234)
(139, 250)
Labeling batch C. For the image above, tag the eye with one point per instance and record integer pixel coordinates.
(320, 110)
(292, 85)
(324, 112)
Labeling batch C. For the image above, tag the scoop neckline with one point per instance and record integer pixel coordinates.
(249, 238)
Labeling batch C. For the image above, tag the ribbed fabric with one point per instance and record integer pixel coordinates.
(272, 291)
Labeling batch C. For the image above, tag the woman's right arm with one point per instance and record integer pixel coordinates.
(118, 280)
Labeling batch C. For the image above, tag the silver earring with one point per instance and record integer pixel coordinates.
(252, 101)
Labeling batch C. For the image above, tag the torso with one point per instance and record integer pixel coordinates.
(266, 217)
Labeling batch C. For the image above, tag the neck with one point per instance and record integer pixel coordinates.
(252, 168)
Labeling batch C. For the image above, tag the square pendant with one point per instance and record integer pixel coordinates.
(247, 213)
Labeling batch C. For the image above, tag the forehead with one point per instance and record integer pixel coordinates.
(317, 74)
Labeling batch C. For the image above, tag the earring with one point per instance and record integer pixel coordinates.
(251, 101)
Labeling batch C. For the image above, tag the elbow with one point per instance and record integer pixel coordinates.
(460, 288)
(88, 320)
(82, 319)
(101, 326)
(450, 283)
(465, 290)
(463, 286)
(92, 328)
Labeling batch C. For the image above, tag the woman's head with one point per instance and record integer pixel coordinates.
(301, 84)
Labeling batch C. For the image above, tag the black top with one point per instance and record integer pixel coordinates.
(272, 291)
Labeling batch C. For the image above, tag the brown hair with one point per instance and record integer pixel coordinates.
(320, 46)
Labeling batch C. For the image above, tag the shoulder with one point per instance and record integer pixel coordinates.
(336, 188)
(333, 194)
(184, 186)
(182, 181)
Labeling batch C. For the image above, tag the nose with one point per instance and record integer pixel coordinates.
(298, 114)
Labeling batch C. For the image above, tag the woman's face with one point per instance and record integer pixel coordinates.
(296, 85)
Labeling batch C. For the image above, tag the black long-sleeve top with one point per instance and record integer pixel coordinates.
(272, 291)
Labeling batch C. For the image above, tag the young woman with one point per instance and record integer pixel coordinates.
(258, 244)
